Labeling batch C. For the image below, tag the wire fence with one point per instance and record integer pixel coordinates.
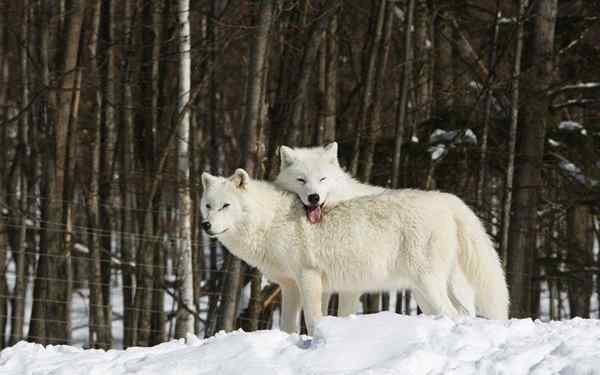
(17, 306)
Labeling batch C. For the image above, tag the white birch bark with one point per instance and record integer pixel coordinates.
(185, 319)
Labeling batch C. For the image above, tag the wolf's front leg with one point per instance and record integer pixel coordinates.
(290, 308)
(311, 287)
(349, 303)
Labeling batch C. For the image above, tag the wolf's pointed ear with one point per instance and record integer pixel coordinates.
(240, 178)
(286, 154)
(331, 152)
(207, 180)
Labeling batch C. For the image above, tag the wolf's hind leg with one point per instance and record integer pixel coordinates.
(349, 303)
(461, 293)
(422, 302)
(435, 291)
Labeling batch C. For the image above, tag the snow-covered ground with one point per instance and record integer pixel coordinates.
(383, 343)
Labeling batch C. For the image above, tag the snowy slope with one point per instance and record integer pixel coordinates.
(383, 343)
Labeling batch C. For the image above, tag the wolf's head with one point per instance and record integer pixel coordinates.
(311, 173)
(222, 202)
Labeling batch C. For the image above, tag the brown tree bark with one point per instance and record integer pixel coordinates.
(529, 157)
(254, 121)
(21, 210)
(369, 83)
(67, 107)
(443, 74)
(328, 82)
(402, 106)
(4, 157)
(373, 117)
(580, 232)
(145, 126)
(37, 328)
(127, 245)
(422, 66)
(105, 62)
(488, 112)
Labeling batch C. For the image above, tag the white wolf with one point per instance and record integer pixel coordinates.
(399, 239)
(315, 175)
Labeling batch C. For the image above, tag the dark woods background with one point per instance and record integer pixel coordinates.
(495, 101)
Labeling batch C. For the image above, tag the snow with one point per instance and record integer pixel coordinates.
(437, 151)
(384, 343)
(554, 143)
(507, 20)
(456, 136)
(572, 126)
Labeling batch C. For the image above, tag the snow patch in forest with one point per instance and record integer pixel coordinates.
(453, 136)
(572, 126)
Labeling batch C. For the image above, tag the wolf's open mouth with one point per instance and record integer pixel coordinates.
(313, 213)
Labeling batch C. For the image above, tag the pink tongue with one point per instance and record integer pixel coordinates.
(314, 214)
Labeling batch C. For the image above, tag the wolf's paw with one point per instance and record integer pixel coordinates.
(307, 342)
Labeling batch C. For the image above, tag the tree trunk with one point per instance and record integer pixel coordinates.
(19, 251)
(59, 264)
(373, 117)
(369, 85)
(98, 327)
(251, 140)
(4, 157)
(145, 127)
(105, 61)
(306, 68)
(512, 137)
(37, 328)
(185, 319)
(125, 128)
(529, 158)
(580, 232)
(328, 84)
(402, 107)
(443, 76)
(488, 112)
(422, 58)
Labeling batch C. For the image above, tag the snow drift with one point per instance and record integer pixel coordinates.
(383, 343)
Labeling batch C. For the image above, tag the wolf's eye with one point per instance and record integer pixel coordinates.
(301, 180)
(225, 206)
(323, 179)
(208, 206)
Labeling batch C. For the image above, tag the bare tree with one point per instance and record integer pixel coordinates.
(185, 319)
(66, 101)
(328, 61)
(512, 137)
(529, 157)
(20, 180)
(369, 84)
(403, 95)
(125, 152)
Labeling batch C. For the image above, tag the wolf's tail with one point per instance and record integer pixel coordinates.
(480, 263)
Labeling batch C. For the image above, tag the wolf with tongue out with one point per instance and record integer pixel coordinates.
(315, 176)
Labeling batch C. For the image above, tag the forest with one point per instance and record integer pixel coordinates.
(111, 110)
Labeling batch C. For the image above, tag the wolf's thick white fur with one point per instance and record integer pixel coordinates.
(306, 171)
(398, 239)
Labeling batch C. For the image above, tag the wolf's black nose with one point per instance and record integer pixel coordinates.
(313, 199)
(206, 225)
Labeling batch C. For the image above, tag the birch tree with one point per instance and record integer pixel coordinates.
(185, 319)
